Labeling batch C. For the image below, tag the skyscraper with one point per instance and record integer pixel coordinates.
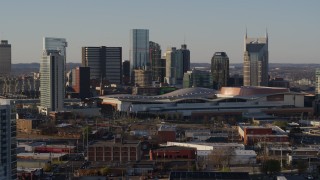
(220, 69)
(8, 144)
(139, 49)
(126, 72)
(256, 59)
(157, 67)
(5, 58)
(174, 66)
(186, 58)
(104, 62)
(60, 44)
(317, 81)
(52, 80)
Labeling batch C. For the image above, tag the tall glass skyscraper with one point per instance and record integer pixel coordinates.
(256, 61)
(52, 80)
(60, 44)
(139, 49)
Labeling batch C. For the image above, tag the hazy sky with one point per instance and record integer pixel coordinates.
(207, 25)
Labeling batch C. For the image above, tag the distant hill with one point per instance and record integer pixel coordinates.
(37, 66)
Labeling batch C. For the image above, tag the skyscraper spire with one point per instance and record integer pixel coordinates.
(246, 33)
(245, 40)
(267, 33)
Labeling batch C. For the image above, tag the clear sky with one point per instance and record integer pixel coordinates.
(206, 26)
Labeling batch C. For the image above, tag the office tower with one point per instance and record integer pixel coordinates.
(52, 80)
(81, 81)
(5, 58)
(235, 80)
(60, 44)
(157, 67)
(162, 71)
(126, 72)
(220, 69)
(105, 63)
(197, 78)
(317, 81)
(8, 144)
(142, 78)
(186, 58)
(174, 66)
(139, 49)
(255, 64)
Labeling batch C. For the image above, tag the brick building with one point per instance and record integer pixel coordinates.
(254, 134)
(166, 133)
(173, 152)
(117, 150)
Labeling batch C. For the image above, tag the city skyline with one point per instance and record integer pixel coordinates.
(206, 27)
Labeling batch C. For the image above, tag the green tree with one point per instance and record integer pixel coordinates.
(271, 166)
(47, 168)
(281, 124)
(104, 171)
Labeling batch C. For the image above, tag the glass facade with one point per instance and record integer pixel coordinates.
(139, 48)
(256, 60)
(52, 80)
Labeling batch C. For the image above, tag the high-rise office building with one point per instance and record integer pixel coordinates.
(52, 80)
(256, 61)
(5, 58)
(197, 78)
(105, 63)
(81, 81)
(220, 69)
(126, 72)
(186, 58)
(174, 66)
(139, 49)
(60, 44)
(317, 83)
(157, 67)
(8, 144)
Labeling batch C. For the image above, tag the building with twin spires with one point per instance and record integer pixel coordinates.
(256, 60)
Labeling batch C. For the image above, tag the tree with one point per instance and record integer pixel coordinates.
(104, 171)
(281, 124)
(47, 168)
(271, 166)
(221, 157)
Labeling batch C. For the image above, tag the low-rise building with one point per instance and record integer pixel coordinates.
(254, 134)
(118, 150)
(42, 156)
(27, 125)
(173, 153)
(166, 133)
